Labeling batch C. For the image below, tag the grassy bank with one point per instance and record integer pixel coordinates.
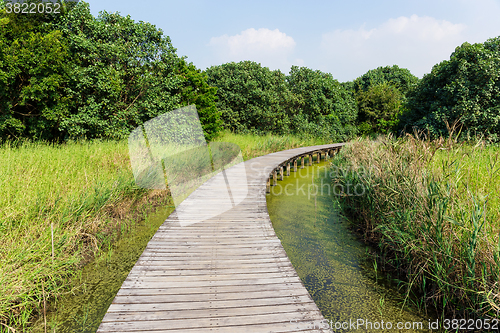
(60, 206)
(433, 209)
(84, 194)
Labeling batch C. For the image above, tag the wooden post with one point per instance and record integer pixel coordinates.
(310, 159)
(326, 155)
(288, 169)
(275, 178)
(302, 162)
(295, 165)
(318, 157)
(268, 185)
(281, 173)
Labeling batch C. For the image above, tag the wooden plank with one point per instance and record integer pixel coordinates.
(145, 266)
(207, 297)
(223, 273)
(144, 314)
(214, 304)
(256, 328)
(282, 289)
(158, 282)
(269, 318)
(194, 272)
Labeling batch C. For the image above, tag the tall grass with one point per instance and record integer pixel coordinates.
(59, 206)
(433, 209)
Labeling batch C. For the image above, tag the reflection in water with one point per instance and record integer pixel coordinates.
(329, 259)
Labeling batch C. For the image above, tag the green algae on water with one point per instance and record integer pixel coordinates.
(331, 261)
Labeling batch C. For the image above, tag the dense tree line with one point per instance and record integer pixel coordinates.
(254, 99)
(72, 75)
(381, 97)
(463, 92)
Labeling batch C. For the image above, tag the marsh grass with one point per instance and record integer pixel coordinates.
(433, 209)
(82, 193)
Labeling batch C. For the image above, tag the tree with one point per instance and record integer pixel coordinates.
(401, 78)
(381, 95)
(72, 75)
(378, 108)
(252, 98)
(124, 74)
(322, 101)
(196, 90)
(464, 89)
(33, 66)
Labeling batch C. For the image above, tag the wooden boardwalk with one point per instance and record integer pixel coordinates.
(225, 273)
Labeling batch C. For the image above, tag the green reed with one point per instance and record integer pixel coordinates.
(432, 208)
(60, 205)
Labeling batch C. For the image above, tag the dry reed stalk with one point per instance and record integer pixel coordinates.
(9, 328)
(44, 309)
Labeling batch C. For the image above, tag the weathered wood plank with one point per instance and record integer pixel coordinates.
(181, 323)
(207, 297)
(258, 328)
(282, 289)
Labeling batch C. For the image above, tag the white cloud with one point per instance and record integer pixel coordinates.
(426, 29)
(415, 42)
(271, 48)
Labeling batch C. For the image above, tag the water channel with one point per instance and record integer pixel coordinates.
(331, 262)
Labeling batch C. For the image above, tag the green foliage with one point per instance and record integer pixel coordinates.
(381, 95)
(196, 90)
(464, 90)
(72, 75)
(325, 106)
(308, 103)
(33, 63)
(401, 78)
(124, 74)
(252, 98)
(378, 108)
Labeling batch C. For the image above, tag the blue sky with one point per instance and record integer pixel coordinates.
(345, 38)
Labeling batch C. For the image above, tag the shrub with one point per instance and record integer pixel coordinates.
(378, 108)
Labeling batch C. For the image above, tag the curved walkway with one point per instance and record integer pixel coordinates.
(228, 273)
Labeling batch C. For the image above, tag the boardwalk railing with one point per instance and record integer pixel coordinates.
(226, 273)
